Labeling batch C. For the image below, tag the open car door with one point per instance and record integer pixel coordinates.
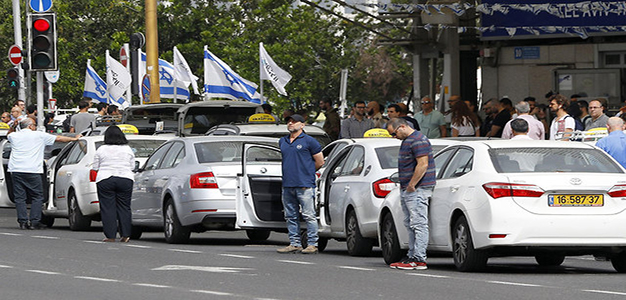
(259, 189)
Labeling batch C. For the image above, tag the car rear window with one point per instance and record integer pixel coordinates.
(210, 152)
(141, 148)
(388, 156)
(563, 160)
(199, 120)
(160, 113)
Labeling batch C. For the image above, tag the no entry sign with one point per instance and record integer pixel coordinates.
(15, 55)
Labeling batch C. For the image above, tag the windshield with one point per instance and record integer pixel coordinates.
(161, 113)
(565, 160)
(198, 120)
(141, 148)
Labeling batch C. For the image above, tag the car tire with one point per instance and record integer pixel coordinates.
(258, 235)
(619, 262)
(549, 260)
(321, 244)
(357, 245)
(48, 221)
(136, 232)
(390, 244)
(78, 222)
(175, 233)
(466, 258)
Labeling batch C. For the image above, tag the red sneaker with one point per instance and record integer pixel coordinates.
(412, 265)
(395, 265)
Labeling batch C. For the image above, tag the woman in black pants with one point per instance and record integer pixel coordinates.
(114, 161)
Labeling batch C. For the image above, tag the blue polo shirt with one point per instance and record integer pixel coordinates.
(615, 145)
(298, 163)
(414, 146)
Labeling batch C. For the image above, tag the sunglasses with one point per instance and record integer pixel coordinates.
(394, 133)
(425, 102)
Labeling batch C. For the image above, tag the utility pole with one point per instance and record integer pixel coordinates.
(17, 27)
(152, 51)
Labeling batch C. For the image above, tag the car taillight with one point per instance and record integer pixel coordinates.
(500, 189)
(92, 175)
(618, 191)
(382, 187)
(203, 181)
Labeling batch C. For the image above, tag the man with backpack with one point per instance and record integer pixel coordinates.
(562, 124)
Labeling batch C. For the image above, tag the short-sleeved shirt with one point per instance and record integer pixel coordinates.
(27, 149)
(353, 128)
(500, 120)
(560, 125)
(536, 131)
(597, 123)
(430, 123)
(82, 121)
(414, 146)
(298, 164)
(615, 145)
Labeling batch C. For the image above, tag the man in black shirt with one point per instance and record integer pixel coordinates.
(497, 117)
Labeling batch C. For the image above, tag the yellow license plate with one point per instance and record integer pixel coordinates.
(575, 200)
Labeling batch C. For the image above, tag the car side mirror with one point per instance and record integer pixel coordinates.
(137, 168)
(395, 177)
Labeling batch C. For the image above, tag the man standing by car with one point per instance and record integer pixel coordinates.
(416, 170)
(302, 156)
(83, 119)
(615, 143)
(357, 125)
(26, 168)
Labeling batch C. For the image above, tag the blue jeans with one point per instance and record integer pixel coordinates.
(24, 185)
(297, 200)
(415, 208)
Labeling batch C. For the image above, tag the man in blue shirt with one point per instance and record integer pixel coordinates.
(615, 143)
(416, 169)
(302, 156)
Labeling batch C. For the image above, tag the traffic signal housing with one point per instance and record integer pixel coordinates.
(13, 78)
(43, 42)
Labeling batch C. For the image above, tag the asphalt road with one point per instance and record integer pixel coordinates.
(60, 264)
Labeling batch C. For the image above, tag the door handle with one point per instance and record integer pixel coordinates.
(68, 173)
(346, 188)
(454, 188)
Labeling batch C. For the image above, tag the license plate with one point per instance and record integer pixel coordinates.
(575, 200)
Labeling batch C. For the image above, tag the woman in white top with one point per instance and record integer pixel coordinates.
(464, 122)
(114, 161)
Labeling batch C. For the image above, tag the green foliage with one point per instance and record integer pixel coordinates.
(311, 45)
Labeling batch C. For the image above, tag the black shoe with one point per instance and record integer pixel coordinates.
(38, 226)
(24, 226)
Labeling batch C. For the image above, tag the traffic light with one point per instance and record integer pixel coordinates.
(43, 38)
(13, 78)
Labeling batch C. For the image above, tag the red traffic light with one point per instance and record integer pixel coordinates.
(41, 25)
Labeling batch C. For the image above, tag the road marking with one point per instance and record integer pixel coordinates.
(428, 275)
(6, 267)
(296, 262)
(43, 272)
(11, 234)
(606, 292)
(153, 285)
(237, 256)
(212, 292)
(97, 279)
(139, 246)
(45, 237)
(185, 251)
(355, 268)
(204, 269)
(515, 283)
(94, 242)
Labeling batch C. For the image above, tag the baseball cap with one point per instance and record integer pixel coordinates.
(296, 117)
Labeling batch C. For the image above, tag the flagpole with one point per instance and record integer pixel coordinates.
(129, 95)
(140, 83)
(205, 63)
(106, 68)
(261, 72)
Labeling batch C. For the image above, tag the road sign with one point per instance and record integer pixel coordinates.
(123, 56)
(15, 55)
(40, 5)
(145, 88)
(52, 76)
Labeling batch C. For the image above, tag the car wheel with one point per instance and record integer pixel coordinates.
(549, 260)
(389, 241)
(357, 245)
(175, 233)
(466, 258)
(136, 232)
(321, 244)
(78, 222)
(619, 262)
(258, 235)
(47, 220)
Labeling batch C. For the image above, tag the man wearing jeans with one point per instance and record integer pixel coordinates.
(416, 168)
(302, 156)
(26, 168)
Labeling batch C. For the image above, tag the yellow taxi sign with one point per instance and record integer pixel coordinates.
(128, 129)
(376, 133)
(4, 126)
(261, 118)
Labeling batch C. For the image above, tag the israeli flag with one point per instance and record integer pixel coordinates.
(168, 80)
(220, 81)
(95, 87)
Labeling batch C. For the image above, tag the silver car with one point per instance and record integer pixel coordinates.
(189, 184)
(73, 192)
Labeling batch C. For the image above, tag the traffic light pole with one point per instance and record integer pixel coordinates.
(17, 27)
(40, 112)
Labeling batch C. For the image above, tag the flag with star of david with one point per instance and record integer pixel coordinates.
(168, 79)
(220, 81)
(96, 88)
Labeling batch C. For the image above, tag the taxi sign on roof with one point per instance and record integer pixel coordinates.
(261, 118)
(4, 126)
(128, 129)
(376, 133)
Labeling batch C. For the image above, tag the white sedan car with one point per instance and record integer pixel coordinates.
(544, 199)
(73, 193)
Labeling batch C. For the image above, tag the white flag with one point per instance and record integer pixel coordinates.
(272, 72)
(184, 72)
(220, 81)
(118, 78)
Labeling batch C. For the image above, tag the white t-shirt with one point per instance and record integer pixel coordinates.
(465, 129)
(27, 149)
(559, 125)
(114, 160)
